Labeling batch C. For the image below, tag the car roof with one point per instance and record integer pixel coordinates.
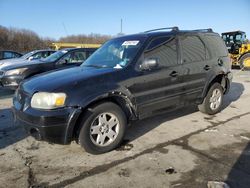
(43, 50)
(71, 49)
(232, 32)
(9, 51)
(160, 32)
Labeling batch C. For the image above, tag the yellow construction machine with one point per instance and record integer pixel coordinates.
(238, 47)
(60, 45)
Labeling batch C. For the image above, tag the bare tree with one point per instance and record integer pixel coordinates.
(23, 40)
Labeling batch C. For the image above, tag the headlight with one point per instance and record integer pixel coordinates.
(15, 71)
(48, 101)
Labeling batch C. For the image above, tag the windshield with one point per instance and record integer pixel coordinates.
(26, 56)
(55, 56)
(234, 38)
(116, 53)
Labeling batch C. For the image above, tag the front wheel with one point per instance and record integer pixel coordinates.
(212, 103)
(102, 128)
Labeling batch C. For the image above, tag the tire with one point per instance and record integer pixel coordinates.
(96, 135)
(212, 107)
(243, 59)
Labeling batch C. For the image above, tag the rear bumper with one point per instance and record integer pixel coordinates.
(55, 126)
(229, 79)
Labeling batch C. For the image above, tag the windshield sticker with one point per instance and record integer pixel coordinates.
(118, 66)
(130, 43)
(64, 51)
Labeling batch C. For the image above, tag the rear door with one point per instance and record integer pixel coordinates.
(195, 66)
(159, 90)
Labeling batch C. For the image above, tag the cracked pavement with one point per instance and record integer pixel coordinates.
(181, 149)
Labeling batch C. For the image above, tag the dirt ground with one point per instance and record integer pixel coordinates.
(181, 149)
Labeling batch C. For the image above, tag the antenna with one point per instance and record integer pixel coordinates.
(121, 25)
(65, 30)
(121, 32)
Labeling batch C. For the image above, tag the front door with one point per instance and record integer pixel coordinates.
(159, 89)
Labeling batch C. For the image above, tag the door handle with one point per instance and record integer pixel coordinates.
(174, 74)
(207, 67)
(220, 62)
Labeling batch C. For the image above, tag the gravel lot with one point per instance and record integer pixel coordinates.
(181, 149)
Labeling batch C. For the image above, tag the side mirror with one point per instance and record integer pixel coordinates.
(30, 58)
(149, 64)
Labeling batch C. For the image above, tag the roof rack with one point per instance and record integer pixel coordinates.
(166, 28)
(203, 30)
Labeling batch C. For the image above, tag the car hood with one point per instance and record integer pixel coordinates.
(8, 62)
(18, 64)
(62, 79)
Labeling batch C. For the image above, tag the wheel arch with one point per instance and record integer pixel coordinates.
(117, 98)
(239, 59)
(220, 78)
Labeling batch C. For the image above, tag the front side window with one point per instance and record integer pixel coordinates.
(193, 50)
(164, 49)
(74, 57)
(116, 53)
(37, 55)
(17, 55)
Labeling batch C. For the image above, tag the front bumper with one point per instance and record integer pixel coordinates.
(55, 126)
(10, 82)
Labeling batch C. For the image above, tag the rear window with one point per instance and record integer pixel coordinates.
(193, 50)
(217, 45)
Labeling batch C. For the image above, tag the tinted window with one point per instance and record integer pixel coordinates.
(217, 45)
(157, 42)
(193, 50)
(50, 52)
(74, 57)
(164, 49)
(37, 55)
(78, 57)
(17, 55)
(8, 55)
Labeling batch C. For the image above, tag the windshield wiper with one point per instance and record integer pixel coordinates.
(96, 66)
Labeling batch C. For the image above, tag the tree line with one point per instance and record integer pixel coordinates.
(23, 40)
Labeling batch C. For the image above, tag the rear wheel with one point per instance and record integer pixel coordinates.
(245, 61)
(213, 101)
(102, 128)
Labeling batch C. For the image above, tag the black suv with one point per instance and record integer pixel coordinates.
(129, 78)
(11, 75)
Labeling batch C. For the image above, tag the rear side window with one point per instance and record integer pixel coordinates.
(217, 45)
(164, 49)
(8, 55)
(193, 49)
